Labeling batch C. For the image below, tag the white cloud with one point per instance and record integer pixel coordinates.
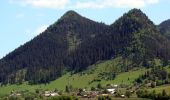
(80, 4)
(115, 3)
(42, 3)
(40, 29)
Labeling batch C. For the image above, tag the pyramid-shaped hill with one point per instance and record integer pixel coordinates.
(74, 42)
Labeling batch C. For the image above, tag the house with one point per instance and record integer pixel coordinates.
(115, 85)
(15, 94)
(54, 94)
(50, 93)
(111, 91)
(84, 90)
(105, 94)
(123, 96)
(93, 94)
(47, 93)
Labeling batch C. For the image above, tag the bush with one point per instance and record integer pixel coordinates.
(99, 86)
(104, 98)
(118, 94)
(14, 98)
(153, 95)
(128, 94)
(63, 98)
(29, 98)
(105, 91)
(153, 84)
(93, 89)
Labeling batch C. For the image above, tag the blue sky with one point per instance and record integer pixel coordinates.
(22, 20)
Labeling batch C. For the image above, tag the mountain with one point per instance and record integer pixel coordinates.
(41, 59)
(73, 43)
(164, 28)
(142, 38)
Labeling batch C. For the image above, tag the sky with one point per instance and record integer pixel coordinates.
(22, 20)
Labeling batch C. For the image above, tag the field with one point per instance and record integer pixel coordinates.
(121, 99)
(160, 88)
(84, 79)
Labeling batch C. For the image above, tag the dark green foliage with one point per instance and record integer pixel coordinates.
(164, 28)
(105, 91)
(153, 85)
(104, 98)
(74, 42)
(14, 98)
(43, 57)
(93, 88)
(156, 74)
(128, 93)
(29, 98)
(63, 98)
(99, 86)
(142, 39)
(67, 89)
(152, 95)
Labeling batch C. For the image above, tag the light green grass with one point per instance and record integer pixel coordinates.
(118, 99)
(82, 79)
(127, 77)
(167, 68)
(160, 88)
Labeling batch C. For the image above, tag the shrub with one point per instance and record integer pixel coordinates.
(14, 98)
(128, 94)
(153, 95)
(104, 98)
(63, 98)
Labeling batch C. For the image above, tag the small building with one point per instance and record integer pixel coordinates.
(123, 96)
(93, 94)
(50, 93)
(105, 94)
(111, 91)
(13, 93)
(115, 85)
(54, 94)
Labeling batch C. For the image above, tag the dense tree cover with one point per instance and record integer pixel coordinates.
(164, 28)
(143, 40)
(43, 57)
(156, 76)
(75, 42)
(153, 95)
(133, 36)
(63, 98)
(32, 97)
(104, 98)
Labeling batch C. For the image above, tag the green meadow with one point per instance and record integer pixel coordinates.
(83, 79)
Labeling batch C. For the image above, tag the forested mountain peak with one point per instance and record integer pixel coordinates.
(142, 38)
(133, 21)
(165, 23)
(70, 14)
(74, 43)
(136, 12)
(42, 59)
(164, 28)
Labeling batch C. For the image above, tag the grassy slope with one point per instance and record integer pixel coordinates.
(160, 88)
(81, 80)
